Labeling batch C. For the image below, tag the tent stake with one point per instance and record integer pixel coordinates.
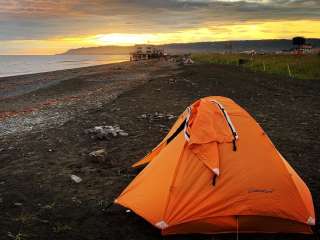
(237, 227)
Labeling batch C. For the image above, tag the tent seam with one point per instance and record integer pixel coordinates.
(173, 179)
(291, 180)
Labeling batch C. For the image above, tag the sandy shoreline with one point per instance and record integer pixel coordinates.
(11, 86)
(34, 101)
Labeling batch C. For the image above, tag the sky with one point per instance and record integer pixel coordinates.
(51, 27)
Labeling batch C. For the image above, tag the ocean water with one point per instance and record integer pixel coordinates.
(19, 65)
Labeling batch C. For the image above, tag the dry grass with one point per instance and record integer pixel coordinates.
(301, 67)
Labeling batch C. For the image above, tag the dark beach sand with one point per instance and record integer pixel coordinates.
(39, 200)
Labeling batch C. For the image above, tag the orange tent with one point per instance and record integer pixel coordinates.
(216, 172)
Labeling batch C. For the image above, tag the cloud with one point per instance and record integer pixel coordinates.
(41, 19)
(35, 8)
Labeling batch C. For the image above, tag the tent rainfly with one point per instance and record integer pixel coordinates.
(217, 171)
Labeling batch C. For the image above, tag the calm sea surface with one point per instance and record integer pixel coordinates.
(18, 65)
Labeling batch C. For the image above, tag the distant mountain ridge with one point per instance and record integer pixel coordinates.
(103, 50)
(202, 47)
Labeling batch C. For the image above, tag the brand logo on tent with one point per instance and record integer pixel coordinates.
(260, 190)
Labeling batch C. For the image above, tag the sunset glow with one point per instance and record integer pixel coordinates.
(123, 39)
(27, 27)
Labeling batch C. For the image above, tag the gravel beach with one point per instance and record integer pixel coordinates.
(37, 101)
(49, 137)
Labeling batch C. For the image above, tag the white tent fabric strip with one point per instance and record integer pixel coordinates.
(162, 224)
(233, 129)
(311, 221)
(186, 134)
(216, 171)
